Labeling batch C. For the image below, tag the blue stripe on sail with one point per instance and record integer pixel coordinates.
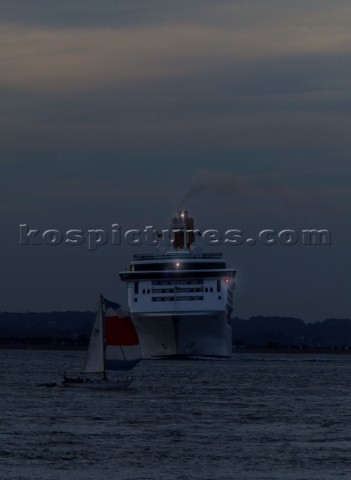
(110, 304)
(120, 364)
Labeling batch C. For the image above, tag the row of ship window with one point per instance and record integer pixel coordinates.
(175, 287)
(178, 282)
(172, 290)
(172, 299)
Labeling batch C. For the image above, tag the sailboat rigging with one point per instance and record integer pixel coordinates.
(113, 346)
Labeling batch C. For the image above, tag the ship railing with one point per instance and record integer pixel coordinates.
(157, 256)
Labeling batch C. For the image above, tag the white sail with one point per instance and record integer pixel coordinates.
(94, 362)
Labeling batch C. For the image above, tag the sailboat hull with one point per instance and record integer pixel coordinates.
(99, 384)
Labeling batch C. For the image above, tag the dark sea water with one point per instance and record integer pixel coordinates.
(257, 416)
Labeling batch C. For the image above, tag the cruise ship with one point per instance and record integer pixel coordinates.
(180, 298)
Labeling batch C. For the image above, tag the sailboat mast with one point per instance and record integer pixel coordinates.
(103, 315)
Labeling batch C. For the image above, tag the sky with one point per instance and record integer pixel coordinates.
(119, 112)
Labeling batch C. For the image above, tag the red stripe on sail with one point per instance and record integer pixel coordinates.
(120, 331)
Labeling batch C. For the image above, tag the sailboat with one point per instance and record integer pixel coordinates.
(114, 345)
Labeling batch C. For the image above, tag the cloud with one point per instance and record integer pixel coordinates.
(90, 58)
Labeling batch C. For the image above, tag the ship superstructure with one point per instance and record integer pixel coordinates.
(181, 299)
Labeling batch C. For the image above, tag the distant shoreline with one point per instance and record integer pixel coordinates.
(236, 351)
(42, 347)
(297, 351)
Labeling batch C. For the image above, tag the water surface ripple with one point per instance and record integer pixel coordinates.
(257, 417)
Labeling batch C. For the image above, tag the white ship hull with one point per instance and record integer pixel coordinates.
(186, 334)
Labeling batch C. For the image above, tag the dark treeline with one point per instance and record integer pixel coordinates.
(41, 328)
(74, 328)
(291, 332)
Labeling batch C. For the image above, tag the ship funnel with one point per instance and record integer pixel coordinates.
(183, 230)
